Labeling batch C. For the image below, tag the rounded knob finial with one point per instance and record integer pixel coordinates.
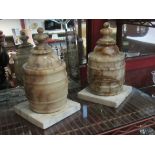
(23, 37)
(22, 33)
(40, 37)
(106, 38)
(106, 30)
(40, 30)
(106, 25)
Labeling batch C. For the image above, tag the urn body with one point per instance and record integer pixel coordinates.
(106, 66)
(45, 80)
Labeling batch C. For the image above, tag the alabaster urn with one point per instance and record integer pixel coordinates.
(106, 66)
(23, 52)
(45, 78)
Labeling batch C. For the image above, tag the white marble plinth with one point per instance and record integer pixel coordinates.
(111, 101)
(46, 120)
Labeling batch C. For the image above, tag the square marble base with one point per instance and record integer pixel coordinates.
(46, 120)
(111, 101)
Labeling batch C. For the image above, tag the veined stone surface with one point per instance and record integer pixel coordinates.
(46, 120)
(45, 78)
(106, 66)
(111, 101)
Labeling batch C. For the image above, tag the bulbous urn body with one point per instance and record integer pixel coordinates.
(106, 66)
(45, 78)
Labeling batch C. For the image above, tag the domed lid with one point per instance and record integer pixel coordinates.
(24, 38)
(43, 58)
(106, 45)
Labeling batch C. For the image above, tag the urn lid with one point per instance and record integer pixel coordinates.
(41, 42)
(24, 38)
(106, 45)
(43, 58)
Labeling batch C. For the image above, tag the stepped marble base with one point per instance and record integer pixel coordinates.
(111, 101)
(46, 120)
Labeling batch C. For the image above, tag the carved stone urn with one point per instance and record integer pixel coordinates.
(23, 52)
(106, 66)
(45, 78)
